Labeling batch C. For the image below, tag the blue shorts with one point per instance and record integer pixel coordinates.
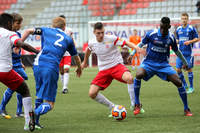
(160, 71)
(190, 61)
(21, 72)
(46, 83)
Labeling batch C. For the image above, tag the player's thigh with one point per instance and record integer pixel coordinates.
(103, 79)
(21, 72)
(179, 64)
(144, 72)
(121, 73)
(175, 80)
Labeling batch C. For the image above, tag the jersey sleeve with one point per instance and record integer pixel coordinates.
(173, 44)
(117, 41)
(71, 49)
(14, 38)
(195, 33)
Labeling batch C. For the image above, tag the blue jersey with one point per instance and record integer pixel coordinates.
(186, 34)
(16, 58)
(158, 47)
(54, 44)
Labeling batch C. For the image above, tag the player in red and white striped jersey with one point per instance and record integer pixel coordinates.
(8, 76)
(110, 63)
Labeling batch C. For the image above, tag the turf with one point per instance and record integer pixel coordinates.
(75, 112)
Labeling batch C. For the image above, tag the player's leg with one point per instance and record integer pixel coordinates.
(182, 92)
(190, 61)
(179, 65)
(6, 98)
(67, 63)
(61, 70)
(133, 62)
(38, 102)
(19, 112)
(98, 97)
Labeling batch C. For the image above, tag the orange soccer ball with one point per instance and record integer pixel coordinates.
(119, 112)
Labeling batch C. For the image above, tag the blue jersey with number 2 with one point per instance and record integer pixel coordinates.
(54, 44)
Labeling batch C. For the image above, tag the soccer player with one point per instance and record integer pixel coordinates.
(7, 75)
(110, 63)
(136, 40)
(156, 62)
(186, 35)
(65, 63)
(46, 65)
(19, 68)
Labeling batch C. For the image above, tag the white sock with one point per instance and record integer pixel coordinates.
(61, 78)
(65, 80)
(27, 103)
(131, 94)
(103, 100)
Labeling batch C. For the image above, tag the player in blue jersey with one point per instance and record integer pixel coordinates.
(19, 68)
(156, 62)
(46, 66)
(187, 35)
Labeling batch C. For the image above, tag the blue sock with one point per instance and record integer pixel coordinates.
(19, 103)
(181, 76)
(183, 96)
(137, 85)
(43, 109)
(190, 77)
(38, 102)
(6, 98)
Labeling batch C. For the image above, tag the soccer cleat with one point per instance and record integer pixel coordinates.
(187, 112)
(26, 127)
(65, 91)
(32, 121)
(18, 115)
(190, 90)
(138, 109)
(142, 111)
(38, 126)
(5, 114)
(110, 115)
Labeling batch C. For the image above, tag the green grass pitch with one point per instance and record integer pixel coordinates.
(75, 112)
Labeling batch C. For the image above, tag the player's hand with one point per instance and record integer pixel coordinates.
(84, 65)
(129, 59)
(16, 50)
(138, 50)
(185, 67)
(78, 71)
(186, 42)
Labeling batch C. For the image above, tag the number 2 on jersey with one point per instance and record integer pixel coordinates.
(57, 42)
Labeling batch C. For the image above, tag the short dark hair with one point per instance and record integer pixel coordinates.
(17, 17)
(5, 18)
(62, 16)
(98, 26)
(185, 14)
(165, 20)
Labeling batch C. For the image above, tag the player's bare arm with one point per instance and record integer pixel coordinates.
(78, 63)
(86, 57)
(26, 46)
(132, 45)
(27, 33)
(180, 55)
(191, 41)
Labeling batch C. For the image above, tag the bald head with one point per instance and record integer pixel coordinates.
(59, 22)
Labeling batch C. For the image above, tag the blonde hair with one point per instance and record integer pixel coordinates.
(59, 22)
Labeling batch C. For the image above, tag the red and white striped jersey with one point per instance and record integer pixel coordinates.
(108, 54)
(7, 39)
(69, 32)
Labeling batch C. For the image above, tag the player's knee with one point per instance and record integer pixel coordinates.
(127, 77)
(23, 90)
(66, 70)
(178, 70)
(93, 91)
(178, 83)
(92, 95)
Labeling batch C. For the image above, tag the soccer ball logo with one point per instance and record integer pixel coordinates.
(119, 112)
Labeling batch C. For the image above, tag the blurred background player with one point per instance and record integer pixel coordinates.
(65, 63)
(46, 65)
(8, 76)
(187, 35)
(156, 62)
(110, 64)
(18, 67)
(135, 39)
